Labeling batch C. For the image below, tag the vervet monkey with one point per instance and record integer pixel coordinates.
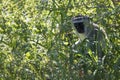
(85, 29)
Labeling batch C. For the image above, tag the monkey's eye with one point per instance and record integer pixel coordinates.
(79, 27)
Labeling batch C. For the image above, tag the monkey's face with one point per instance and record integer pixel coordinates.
(80, 22)
(79, 27)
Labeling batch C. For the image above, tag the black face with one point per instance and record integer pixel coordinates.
(79, 27)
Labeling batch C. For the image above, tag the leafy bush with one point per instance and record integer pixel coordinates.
(36, 39)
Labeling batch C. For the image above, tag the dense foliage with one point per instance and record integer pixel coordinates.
(36, 38)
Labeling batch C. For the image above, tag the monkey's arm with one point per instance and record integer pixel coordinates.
(76, 43)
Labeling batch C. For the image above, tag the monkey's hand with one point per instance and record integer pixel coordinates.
(74, 45)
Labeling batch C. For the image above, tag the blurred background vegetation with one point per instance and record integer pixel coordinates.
(36, 38)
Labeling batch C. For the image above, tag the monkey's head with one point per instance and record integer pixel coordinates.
(79, 23)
